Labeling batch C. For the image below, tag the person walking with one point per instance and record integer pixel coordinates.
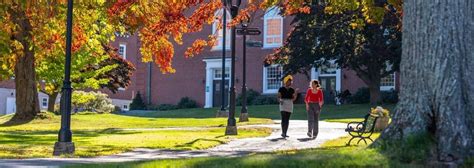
(286, 96)
(314, 102)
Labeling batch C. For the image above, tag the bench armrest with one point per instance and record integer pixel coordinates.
(354, 126)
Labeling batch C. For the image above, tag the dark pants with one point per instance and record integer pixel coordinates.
(313, 119)
(285, 121)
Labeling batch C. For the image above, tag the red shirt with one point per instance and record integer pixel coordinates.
(314, 97)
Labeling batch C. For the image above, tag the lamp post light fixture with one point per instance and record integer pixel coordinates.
(223, 112)
(244, 31)
(231, 128)
(244, 117)
(65, 144)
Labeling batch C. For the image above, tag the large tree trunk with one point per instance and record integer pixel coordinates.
(27, 103)
(372, 80)
(52, 101)
(374, 89)
(437, 76)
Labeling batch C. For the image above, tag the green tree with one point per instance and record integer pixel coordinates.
(137, 103)
(111, 73)
(371, 48)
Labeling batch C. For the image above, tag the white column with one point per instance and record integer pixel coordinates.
(208, 88)
(314, 74)
(338, 80)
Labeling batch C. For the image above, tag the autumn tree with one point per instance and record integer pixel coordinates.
(19, 23)
(33, 47)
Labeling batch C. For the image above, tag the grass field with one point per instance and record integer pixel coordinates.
(329, 112)
(333, 153)
(105, 134)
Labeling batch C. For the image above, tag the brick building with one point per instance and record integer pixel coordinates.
(200, 77)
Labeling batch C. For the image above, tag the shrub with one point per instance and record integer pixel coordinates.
(165, 107)
(362, 96)
(117, 109)
(187, 102)
(152, 107)
(137, 103)
(265, 99)
(251, 96)
(91, 101)
(389, 96)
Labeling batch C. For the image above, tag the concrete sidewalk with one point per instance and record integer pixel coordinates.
(239, 147)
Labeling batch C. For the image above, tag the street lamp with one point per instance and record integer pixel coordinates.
(244, 31)
(65, 144)
(231, 128)
(222, 112)
(244, 117)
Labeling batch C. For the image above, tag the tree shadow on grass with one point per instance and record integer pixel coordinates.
(190, 144)
(11, 123)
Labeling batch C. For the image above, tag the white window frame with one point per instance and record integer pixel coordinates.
(220, 77)
(272, 13)
(388, 88)
(125, 109)
(124, 54)
(214, 30)
(316, 72)
(265, 80)
(43, 100)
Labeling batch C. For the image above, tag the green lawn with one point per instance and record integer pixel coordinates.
(105, 134)
(333, 153)
(92, 121)
(329, 112)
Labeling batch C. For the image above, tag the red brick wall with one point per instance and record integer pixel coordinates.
(8, 84)
(139, 77)
(190, 77)
(350, 81)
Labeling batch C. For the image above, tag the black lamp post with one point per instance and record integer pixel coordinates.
(231, 128)
(65, 144)
(244, 117)
(223, 112)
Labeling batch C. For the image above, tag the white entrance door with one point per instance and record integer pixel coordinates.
(11, 105)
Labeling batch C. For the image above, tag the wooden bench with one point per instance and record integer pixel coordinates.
(362, 130)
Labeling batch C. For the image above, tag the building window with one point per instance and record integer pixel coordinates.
(272, 28)
(218, 73)
(123, 51)
(125, 107)
(44, 102)
(272, 78)
(330, 69)
(218, 31)
(388, 82)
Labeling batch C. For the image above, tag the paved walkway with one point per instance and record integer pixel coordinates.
(238, 147)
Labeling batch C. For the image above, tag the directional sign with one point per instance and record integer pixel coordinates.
(252, 31)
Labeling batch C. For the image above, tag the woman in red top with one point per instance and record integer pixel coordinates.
(314, 101)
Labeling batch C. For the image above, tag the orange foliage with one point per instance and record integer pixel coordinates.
(159, 22)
